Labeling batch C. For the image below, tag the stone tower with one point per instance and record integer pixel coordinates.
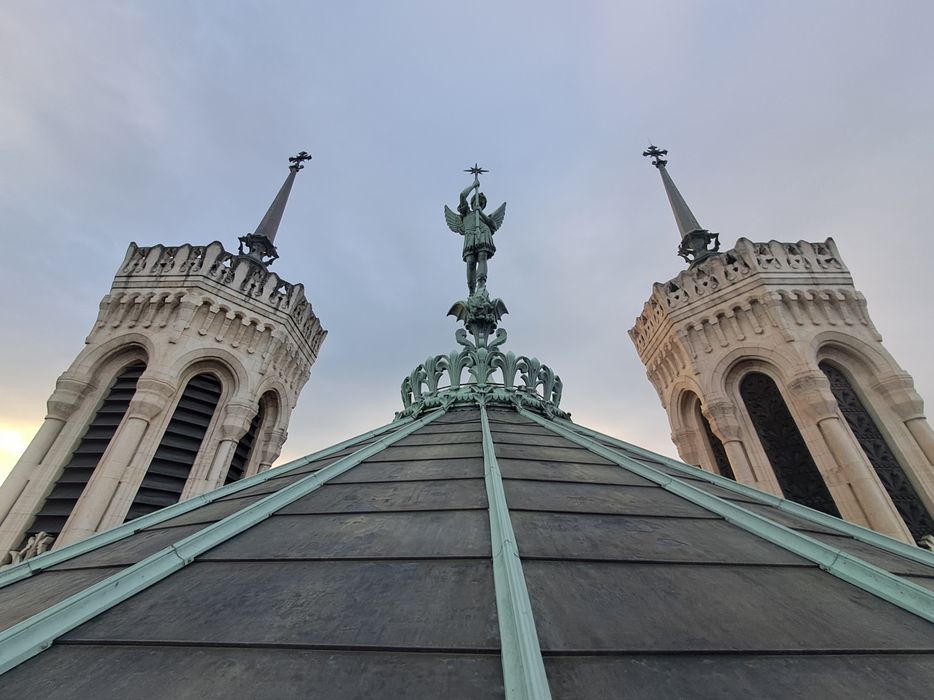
(186, 383)
(772, 373)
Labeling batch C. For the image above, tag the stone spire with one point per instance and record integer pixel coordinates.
(696, 243)
(259, 244)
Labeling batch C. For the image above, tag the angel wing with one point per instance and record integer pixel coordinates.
(454, 221)
(459, 311)
(497, 217)
(499, 308)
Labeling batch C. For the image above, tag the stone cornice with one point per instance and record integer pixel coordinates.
(790, 268)
(235, 278)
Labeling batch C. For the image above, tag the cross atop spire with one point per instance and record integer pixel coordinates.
(259, 244)
(696, 243)
(296, 161)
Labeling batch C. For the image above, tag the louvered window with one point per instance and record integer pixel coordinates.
(165, 479)
(795, 471)
(244, 449)
(78, 470)
(891, 474)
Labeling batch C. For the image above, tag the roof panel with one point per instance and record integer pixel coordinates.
(827, 677)
(598, 498)
(195, 673)
(627, 538)
(602, 607)
(363, 604)
(362, 535)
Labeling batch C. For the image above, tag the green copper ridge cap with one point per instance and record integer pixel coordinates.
(35, 634)
(871, 578)
(843, 527)
(480, 371)
(524, 675)
(30, 567)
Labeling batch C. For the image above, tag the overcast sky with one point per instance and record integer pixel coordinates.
(170, 122)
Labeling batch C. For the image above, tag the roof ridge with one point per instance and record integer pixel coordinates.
(36, 633)
(857, 532)
(847, 567)
(46, 560)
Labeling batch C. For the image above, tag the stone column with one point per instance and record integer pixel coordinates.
(235, 421)
(25, 488)
(724, 422)
(852, 481)
(900, 395)
(153, 395)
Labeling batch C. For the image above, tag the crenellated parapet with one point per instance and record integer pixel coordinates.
(747, 291)
(216, 270)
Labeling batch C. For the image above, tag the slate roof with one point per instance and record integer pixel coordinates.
(392, 577)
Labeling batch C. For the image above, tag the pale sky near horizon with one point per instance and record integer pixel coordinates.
(171, 122)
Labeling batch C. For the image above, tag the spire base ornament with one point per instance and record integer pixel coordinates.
(480, 372)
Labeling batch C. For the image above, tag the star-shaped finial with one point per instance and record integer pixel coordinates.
(476, 170)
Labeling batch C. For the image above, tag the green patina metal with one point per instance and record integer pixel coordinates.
(49, 559)
(492, 375)
(37, 633)
(523, 669)
(853, 570)
(862, 534)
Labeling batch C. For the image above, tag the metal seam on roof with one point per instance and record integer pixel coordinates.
(523, 668)
(857, 532)
(49, 559)
(37, 633)
(873, 579)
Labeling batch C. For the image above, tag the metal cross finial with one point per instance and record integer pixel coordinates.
(656, 154)
(476, 170)
(296, 161)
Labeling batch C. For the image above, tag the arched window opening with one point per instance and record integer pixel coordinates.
(245, 448)
(891, 474)
(165, 479)
(78, 470)
(794, 467)
(721, 461)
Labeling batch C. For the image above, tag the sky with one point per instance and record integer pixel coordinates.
(171, 123)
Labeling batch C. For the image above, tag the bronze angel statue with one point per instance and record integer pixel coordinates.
(477, 227)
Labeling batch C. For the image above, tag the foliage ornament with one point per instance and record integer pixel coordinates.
(480, 372)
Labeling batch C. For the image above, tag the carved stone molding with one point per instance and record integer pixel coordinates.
(68, 394)
(152, 397)
(899, 392)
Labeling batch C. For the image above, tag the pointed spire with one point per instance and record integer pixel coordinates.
(259, 244)
(695, 241)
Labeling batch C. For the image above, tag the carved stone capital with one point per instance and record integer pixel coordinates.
(723, 419)
(152, 396)
(271, 445)
(236, 419)
(687, 441)
(69, 391)
(813, 390)
(900, 395)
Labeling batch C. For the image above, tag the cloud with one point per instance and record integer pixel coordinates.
(170, 123)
